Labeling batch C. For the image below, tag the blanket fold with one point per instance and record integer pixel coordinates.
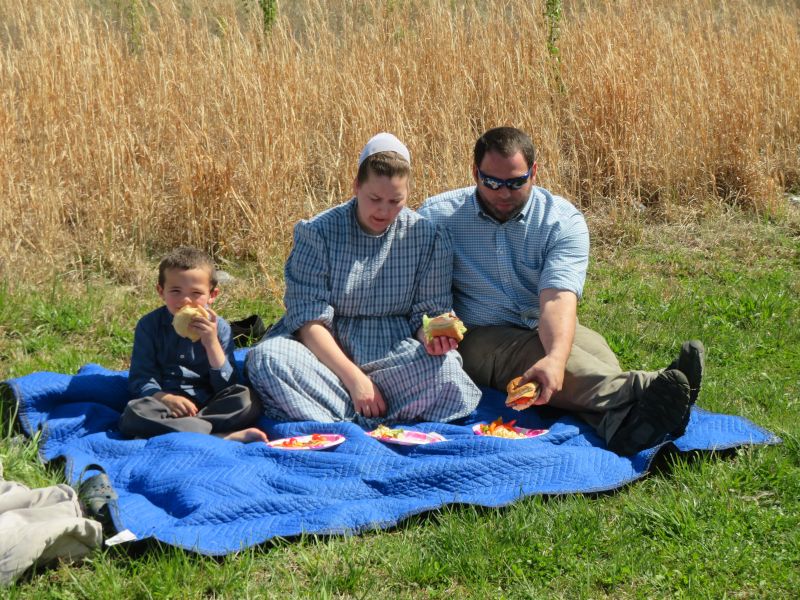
(213, 496)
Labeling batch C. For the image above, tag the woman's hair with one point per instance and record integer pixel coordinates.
(387, 164)
(184, 258)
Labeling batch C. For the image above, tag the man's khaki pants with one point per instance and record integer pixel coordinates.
(595, 387)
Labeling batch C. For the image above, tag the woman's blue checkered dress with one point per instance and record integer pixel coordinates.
(371, 292)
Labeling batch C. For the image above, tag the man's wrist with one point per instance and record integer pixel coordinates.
(559, 358)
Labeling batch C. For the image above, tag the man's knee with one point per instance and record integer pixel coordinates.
(594, 344)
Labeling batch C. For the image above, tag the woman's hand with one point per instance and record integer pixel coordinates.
(366, 397)
(438, 345)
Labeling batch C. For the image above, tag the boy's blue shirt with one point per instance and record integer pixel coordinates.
(163, 361)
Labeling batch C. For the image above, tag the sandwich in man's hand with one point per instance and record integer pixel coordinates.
(521, 397)
(447, 325)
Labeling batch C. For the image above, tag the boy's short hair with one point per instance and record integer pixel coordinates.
(388, 164)
(506, 141)
(184, 258)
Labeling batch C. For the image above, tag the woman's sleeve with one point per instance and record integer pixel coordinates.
(307, 275)
(433, 295)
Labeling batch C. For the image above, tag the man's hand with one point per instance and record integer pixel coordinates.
(549, 374)
(178, 405)
(556, 332)
(438, 345)
(366, 397)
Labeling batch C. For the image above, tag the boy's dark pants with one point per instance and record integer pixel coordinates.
(229, 410)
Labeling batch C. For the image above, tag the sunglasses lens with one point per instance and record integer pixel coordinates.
(492, 184)
(517, 182)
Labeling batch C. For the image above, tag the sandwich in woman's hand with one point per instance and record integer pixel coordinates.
(183, 318)
(447, 325)
(521, 397)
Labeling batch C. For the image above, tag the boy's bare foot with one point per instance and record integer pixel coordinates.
(251, 434)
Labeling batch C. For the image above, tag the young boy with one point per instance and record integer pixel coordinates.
(178, 384)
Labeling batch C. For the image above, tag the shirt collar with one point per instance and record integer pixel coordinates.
(521, 216)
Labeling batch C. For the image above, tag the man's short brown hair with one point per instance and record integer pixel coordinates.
(506, 141)
(184, 258)
(388, 164)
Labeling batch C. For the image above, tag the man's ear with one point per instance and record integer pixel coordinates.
(355, 186)
(475, 173)
(213, 295)
(533, 171)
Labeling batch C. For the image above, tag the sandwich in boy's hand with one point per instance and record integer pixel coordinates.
(447, 324)
(521, 397)
(183, 318)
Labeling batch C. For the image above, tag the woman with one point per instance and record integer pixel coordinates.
(358, 280)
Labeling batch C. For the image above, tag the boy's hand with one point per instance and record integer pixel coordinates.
(178, 405)
(207, 330)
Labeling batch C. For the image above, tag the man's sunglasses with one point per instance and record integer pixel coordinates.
(515, 183)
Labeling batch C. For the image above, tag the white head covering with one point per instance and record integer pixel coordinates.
(384, 142)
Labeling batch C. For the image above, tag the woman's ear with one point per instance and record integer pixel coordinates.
(355, 186)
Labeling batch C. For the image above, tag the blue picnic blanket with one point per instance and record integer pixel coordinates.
(214, 497)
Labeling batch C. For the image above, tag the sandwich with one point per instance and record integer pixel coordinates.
(521, 397)
(183, 319)
(447, 324)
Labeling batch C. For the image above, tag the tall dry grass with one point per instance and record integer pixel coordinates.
(127, 127)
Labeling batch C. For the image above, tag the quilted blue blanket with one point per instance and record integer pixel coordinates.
(214, 497)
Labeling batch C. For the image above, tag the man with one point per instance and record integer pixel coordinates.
(519, 266)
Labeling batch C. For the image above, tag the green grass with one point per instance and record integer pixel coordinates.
(707, 526)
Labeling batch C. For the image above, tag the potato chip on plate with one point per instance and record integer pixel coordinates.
(314, 441)
(506, 430)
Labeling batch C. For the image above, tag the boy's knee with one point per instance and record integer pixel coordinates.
(137, 415)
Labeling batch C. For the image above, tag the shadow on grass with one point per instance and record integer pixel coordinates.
(664, 462)
(9, 412)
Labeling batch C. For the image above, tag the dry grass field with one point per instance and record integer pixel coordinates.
(129, 126)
